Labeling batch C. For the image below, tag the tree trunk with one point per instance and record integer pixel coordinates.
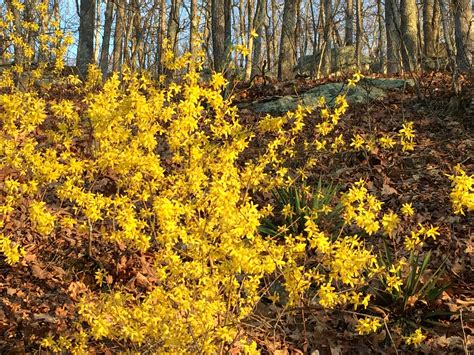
(193, 29)
(217, 14)
(250, 40)
(409, 32)
(392, 25)
(430, 28)
(97, 33)
(447, 38)
(327, 17)
(85, 49)
(173, 25)
(349, 24)
(161, 35)
(287, 60)
(104, 54)
(275, 35)
(463, 33)
(381, 39)
(218, 34)
(118, 36)
(359, 34)
(259, 27)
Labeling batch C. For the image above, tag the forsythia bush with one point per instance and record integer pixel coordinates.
(183, 193)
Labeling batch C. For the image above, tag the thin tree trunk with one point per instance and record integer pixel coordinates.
(173, 25)
(118, 36)
(250, 38)
(463, 33)
(287, 60)
(104, 54)
(359, 34)
(193, 29)
(381, 38)
(161, 35)
(259, 29)
(349, 23)
(97, 33)
(85, 50)
(447, 38)
(327, 45)
(218, 34)
(392, 24)
(409, 32)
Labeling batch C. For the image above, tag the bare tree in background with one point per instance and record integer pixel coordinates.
(104, 53)
(118, 36)
(349, 23)
(392, 26)
(259, 23)
(359, 33)
(287, 60)
(221, 30)
(431, 25)
(173, 25)
(463, 33)
(85, 49)
(409, 33)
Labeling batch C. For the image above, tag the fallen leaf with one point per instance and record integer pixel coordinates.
(38, 272)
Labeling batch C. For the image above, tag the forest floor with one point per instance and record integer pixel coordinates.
(37, 296)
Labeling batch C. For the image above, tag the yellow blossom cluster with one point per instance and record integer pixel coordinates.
(16, 33)
(367, 325)
(407, 136)
(12, 251)
(416, 338)
(362, 208)
(462, 194)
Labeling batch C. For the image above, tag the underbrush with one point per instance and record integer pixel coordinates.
(157, 170)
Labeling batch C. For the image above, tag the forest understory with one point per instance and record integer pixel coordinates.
(38, 295)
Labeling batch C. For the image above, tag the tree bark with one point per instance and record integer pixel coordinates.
(349, 24)
(259, 27)
(409, 32)
(287, 60)
(381, 40)
(392, 26)
(118, 36)
(161, 35)
(173, 25)
(104, 53)
(250, 40)
(218, 34)
(221, 31)
(359, 34)
(430, 28)
(193, 28)
(85, 50)
(463, 33)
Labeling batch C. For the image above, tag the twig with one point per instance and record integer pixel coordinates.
(463, 333)
(390, 334)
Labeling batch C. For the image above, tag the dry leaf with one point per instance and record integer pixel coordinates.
(38, 272)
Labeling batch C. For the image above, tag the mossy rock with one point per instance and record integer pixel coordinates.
(367, 90)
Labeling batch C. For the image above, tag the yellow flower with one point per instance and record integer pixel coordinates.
(415, 338)
(390, 222)
(218, 81)
(407, 210)
(357, 141)
(367, 325)
(387, 142)
(253, 33)
(462, 193)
